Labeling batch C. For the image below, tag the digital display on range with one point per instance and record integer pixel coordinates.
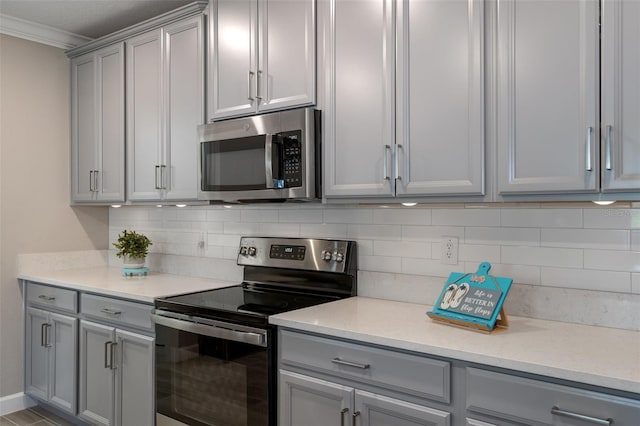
(287, 252)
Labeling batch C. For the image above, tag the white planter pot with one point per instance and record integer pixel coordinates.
(133, 262)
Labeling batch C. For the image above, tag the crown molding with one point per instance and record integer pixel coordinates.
(39, 33)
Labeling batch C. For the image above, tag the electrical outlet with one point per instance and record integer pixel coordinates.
(449, 251)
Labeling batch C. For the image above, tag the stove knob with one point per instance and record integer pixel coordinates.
(339, 257)
(243, 250)
(326, 255)
(251, 251)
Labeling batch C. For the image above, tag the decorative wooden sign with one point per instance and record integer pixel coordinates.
(473, 300)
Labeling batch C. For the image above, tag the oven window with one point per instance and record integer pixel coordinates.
(202, 380)
(234, 164)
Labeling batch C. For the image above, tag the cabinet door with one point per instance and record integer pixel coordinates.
(232, 53)
(63, 356)
(110, 123)
(621, 95)
(359, 118)
(440, 107)
(36, 354)
(96, 373)
(378, 410)
(184, 106)
(83, 127)
(307, 401)
(135, 393)
(547, 102)
(286, 53)
(144, 116)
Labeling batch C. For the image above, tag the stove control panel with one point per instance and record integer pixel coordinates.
(296, 253)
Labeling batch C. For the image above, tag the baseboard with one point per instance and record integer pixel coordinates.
(15, 402)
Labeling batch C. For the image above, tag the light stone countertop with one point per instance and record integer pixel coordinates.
(597, 356)
(110, 282)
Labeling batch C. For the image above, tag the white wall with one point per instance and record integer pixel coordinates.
(574, 262)
(34, 182)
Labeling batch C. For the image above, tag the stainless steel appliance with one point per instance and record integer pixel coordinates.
(216, 351)
(265, 157)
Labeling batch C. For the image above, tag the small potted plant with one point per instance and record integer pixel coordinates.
(133, 248)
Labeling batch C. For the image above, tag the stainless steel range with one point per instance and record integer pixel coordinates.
(215, 350)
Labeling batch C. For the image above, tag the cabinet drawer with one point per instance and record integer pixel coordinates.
(121, 312)
(397, 371)
(527, 400)
(52, 297)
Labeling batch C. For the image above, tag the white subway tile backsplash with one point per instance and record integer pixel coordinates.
(502, 236)
(542, 256)
(402, 216)
(569, 250)
(380, 263)
(478, 253)
(541, 218)
(259, 216)
(344, 215)
(465, 217)
(612, 218)
(431, 233)
(612, 260)
(586, 238)
(402, 249)
(619, 282)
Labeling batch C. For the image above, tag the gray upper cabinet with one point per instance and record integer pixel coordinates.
(97, 126)
(404, 98)
(261, 56)
(440, 98)
(620, 95)
(165, 104)
(359, 104)
(547, 96)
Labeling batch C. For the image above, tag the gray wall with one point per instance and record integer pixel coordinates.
(35, 215)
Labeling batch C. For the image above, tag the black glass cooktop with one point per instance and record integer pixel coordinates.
(240, 303)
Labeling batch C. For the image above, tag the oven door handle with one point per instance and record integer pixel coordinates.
(256, 339)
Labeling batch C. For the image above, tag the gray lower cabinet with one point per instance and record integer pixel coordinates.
(325, 382)
(50, 358)
(116, 385)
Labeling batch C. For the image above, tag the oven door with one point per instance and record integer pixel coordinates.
(213, 373)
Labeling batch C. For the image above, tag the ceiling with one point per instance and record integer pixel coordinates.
(89, 18)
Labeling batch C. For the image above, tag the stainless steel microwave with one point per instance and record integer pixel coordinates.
(269, 157)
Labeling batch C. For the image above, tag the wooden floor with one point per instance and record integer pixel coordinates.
(34, 416)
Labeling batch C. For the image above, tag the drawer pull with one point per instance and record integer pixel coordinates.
(110, 311)
(350, 364)
(47, 298)
(558, 412)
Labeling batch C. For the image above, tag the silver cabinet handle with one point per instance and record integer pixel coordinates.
(249, 78)
(607, 149)
(43, 341)
(95, 181)
(350, 364)
(589, 167)
(46, 335)
(385, 160)
(109, 311)
(558, 412)
(258, 85)
(398, 148)
(163, 176)
(113, 365)
(342, 413)
(108, 355)
(356, 414)
(47, 298)
(156, 177)
(91, 181)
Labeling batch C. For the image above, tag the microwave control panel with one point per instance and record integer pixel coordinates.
(292, 158)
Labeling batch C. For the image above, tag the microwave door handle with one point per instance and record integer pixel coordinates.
(268, 160)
